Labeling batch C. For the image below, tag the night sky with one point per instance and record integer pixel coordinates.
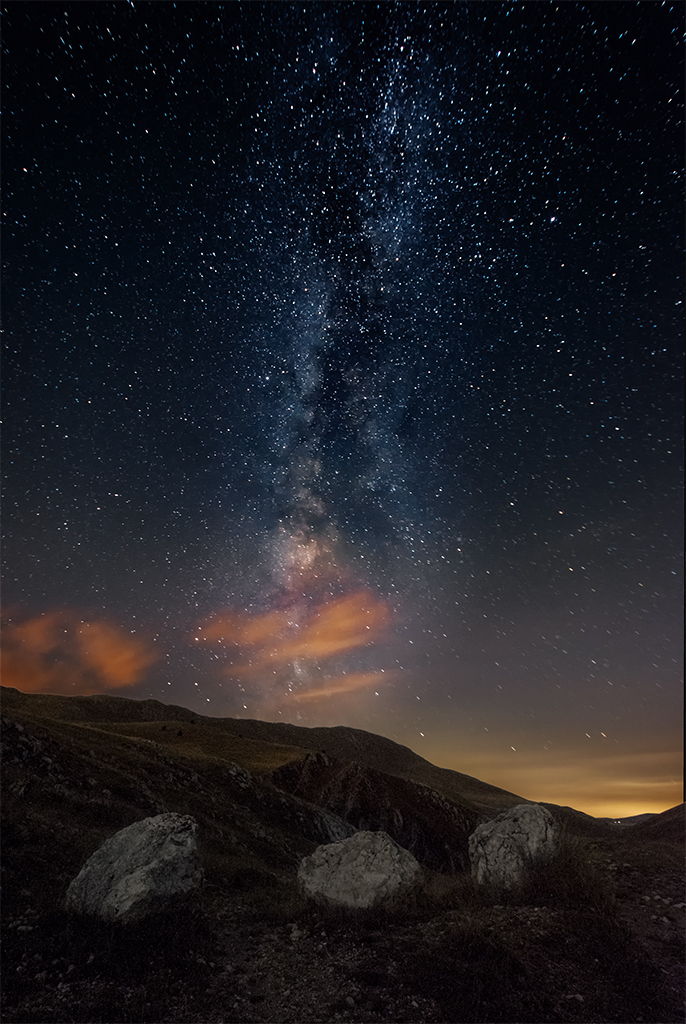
(343, 374)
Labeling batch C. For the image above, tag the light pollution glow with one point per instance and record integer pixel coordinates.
(603, 783)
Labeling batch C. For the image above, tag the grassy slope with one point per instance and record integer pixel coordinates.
(257, 746)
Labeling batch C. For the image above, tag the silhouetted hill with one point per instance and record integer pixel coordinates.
(99, 707)
(669, 825)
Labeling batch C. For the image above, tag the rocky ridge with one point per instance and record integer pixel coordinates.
(434, 829)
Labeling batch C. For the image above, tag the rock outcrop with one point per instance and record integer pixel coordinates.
(364, 871)
(435, 830)
(141, 870)
(504, 850)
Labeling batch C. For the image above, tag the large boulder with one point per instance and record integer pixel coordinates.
(141, 870)
(365, 870)
(503, 851)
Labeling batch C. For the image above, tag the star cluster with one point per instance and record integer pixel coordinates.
(343, 374)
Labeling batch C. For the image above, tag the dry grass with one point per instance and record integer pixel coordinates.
(206, 744)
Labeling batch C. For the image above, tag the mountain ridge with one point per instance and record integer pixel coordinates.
(341, 742)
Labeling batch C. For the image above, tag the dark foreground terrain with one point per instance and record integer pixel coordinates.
(597, 936)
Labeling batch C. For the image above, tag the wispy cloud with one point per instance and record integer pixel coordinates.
(346, 684)
(299, 646)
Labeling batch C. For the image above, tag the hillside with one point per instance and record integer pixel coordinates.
(599, 937)
(255, 744)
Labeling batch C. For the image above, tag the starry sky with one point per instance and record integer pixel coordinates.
(343, 374)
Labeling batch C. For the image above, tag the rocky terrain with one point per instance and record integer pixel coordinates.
(420, 819)
(596, 935)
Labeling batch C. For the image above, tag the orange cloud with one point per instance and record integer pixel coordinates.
(41, 634)
(281, 642)
(118, 658)
(337, 626)
(350, 622)
(243, 630)
(60, 653)
(346, 683)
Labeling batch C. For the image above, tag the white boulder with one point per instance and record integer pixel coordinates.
(367, 869)
(140, 870)
(503, 851)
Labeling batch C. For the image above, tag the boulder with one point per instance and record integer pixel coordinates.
(365, 870)
(504, 850)
(141, 870)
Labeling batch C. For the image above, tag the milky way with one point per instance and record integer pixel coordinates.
(343, 374)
